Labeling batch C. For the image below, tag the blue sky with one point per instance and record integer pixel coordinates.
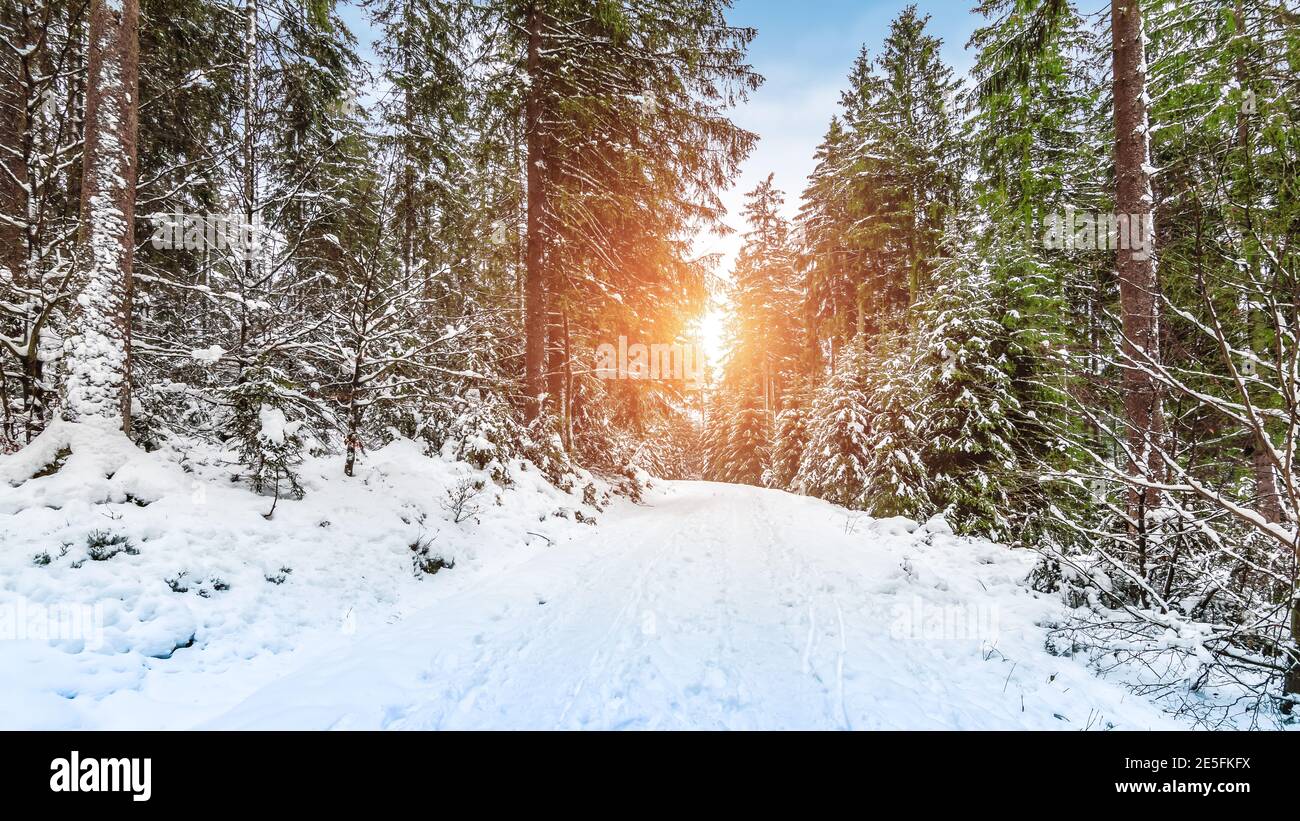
(804, 49)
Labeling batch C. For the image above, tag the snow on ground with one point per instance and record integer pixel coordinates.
(719, 606)
(208, 599)
(710, 606)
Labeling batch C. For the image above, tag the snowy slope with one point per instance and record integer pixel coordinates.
(719, 606)
(213, 600)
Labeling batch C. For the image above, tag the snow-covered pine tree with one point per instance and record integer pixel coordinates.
(835, 464)
(898, 481)
(906, 162)
(743, 458)
(790, 441)
(766, 301)
(829, 260)
(965, 402)
(484, 431)
(269, 428)
(719, 414)
(764, 351)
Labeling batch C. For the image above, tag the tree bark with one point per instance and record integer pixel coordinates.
(16, 137)
(535, 314)
(568, 385)
(98, 385)
(1136, 271)
(248, 157)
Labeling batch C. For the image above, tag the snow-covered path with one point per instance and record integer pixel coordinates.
(717, 606)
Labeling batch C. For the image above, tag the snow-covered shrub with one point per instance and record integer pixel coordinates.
(102, 545)
(426, 562)
(545, 448)
(482, 429)
(271, 443)
(459, 498)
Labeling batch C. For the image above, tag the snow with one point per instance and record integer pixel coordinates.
(208, 356)
(719, 606)
(216, 600)
(274, 424)
(707, 606)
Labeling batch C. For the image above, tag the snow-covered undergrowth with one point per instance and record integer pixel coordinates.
(149, 590)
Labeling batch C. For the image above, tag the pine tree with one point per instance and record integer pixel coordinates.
(790, 441)
(828, 261)
(966, 403)
(898, 482)
(766, 301)
(835, 464)
(744, 457)
(908, 160)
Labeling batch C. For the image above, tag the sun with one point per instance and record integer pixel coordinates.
(712, 335)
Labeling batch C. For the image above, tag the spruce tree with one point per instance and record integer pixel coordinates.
(835, 463)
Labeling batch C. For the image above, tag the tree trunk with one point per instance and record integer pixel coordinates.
(16, 239)
(98, 384)
(1291, 685)
(1266, 490)
(555, 355)
(249, 157)
(535, 274)
(1138, 286)
(568, 385)
(16, 137)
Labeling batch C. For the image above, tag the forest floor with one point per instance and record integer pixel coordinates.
(704, 606)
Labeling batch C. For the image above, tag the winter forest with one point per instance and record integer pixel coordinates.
(326, 320)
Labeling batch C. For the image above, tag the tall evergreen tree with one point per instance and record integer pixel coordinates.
(98, 382)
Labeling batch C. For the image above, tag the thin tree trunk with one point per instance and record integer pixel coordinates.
(1266, 490)
(568, 385)
(555, 355)
(1138, 285)
(535, 274)
(16, 137)
(98, 385)
(249, 157)
(17, 240)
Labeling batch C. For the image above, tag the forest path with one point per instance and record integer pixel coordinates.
(719, 606)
